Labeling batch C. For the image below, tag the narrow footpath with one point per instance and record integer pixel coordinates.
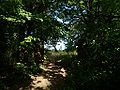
(52, 78)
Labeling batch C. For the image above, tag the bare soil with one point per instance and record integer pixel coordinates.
(52, 78)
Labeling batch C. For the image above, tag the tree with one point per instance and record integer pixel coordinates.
(96, 24)
(22, 19)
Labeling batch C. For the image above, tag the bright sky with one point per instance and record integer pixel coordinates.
(60, 46)
(61, 20)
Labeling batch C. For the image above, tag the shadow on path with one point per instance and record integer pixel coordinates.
(52, 78)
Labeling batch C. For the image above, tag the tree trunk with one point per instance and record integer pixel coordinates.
(42, 50)
(39, 52)
(82, 50)
(55, 48)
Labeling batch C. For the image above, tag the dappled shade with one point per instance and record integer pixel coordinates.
(89, 29)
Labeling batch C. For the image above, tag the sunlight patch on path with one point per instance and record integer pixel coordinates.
(57, 70)
(52, 76)
(63, 72)
(39, 82)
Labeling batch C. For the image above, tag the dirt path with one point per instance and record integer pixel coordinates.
(52, 78)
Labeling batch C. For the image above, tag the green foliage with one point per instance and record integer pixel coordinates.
(97, 30)
(28, 70)
(91, 25)
(28, 41)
